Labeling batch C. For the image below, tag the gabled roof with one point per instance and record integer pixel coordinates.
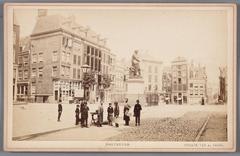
(25, 43)
(179, 59)
(50, 23)
(47, 23)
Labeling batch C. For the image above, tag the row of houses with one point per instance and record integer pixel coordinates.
(47, 67)
(185, 82)
(49, 61)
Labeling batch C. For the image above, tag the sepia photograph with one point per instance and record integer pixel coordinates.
(145, 77)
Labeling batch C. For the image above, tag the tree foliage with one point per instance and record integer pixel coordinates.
(89, 80)
(106, 81)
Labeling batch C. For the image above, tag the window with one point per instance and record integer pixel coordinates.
(103, 57)
(64, 41)
(18, 89)
(67, 71)
(33, 88)
(78, 73)
(88, 60)
(25, 74)
(34, 72)
(149, 69)
(40, 57)
(179, 80)
(185, 99)
(54, 56)
(99, 65)
(103, 69)
(179, 87)
(109, 59)
(25, 60)
(26, 90)
(191, 92)
(92, 51)
(96, 52)
(195, 86)
(191, 74)
(34, 58)
(54, 71)
(149, 78)
(191, 85)
(175, 87)
(20, 60)
(96, 64)
(74, 73)
(62, 70)
(69, 43)
(156, 78)
(196, 92)
(201, 86)
(22, 90)
(156, 87)
(179, 73)
(68, 58)
(63, 56)
(184, 87)
(20, 74)
(149, 87)
(88, 50)
(40, 72)
(79, 60)
(74, 59)
(92, 63)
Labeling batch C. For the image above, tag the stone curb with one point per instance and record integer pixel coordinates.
(30, 136)
(202, 129)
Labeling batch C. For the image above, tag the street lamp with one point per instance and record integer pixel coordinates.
(85, 69)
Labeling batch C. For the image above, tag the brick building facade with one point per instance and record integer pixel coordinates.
(197, 84)
(59, 48)
(179, 70)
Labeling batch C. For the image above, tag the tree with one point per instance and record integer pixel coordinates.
(88, 80)
(106, 81)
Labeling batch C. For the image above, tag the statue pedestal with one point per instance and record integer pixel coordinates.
(135, 91)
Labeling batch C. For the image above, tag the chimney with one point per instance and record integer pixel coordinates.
(42, 12)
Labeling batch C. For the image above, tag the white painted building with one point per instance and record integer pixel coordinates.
(197, 84)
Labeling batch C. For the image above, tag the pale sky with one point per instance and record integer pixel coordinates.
(165, 34)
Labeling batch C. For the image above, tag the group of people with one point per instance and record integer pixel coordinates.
(137, 112)
(82, 111)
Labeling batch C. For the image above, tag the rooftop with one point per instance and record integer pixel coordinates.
(55, 22)
(179, 59)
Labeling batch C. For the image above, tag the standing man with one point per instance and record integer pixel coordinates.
(100, 114)
(77, 112)
(126, 114)
(202, 101)
(81, 111)
(59, 111)
(116, 109)
(110, 114)
(85, 112)
(85, 115)
(137, 112)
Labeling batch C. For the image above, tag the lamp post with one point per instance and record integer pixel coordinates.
(85, 69)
